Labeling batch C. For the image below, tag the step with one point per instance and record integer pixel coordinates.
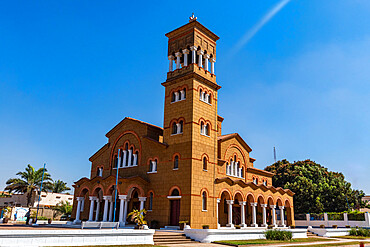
(172, 242)
(169, 237)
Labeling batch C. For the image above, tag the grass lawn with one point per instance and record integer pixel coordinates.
(353, 237)
(265, 241)
(324, 245)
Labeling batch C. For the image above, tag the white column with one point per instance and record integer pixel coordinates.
(282, 216)
(125, 210)
(111, 210)
(217, 207)
(171, 58)
(97, 209)
(106, 201)
(206, 56)
(129, 157)
(121, 209)
(193, 54)
(264, 206)
(91, 213)
(230, 213)
(186, 55)
(142, 201)
(82, 204)
(200, 61)
(254, 214)
(273, 215)
(178, 128)
(242, 205)
(135, 159)
(213, 65)
(178, 56)
(124, 163)
(177, 96)
(182, 94)
(78, 210)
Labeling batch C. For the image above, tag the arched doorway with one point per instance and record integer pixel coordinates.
(223, 208)
(98, 208)
(279, 203)
(237, 209)
(133, 202)
(174, 207)
(270, 202)
(260, 203)
(288, 213)
(114, 206)
(249, 210)
(84, 208)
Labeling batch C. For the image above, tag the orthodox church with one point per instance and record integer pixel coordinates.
(186, 170)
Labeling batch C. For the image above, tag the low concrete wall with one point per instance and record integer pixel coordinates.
(33, 238)
(211, 235)
(329, 223)
(330, 232)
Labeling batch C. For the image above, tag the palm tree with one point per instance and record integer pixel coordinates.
(63, 208)
(58, 187)
(29, 182)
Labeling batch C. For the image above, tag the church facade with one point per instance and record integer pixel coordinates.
(186, 170)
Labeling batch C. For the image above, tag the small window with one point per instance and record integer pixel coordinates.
(227, 169)
(173, 97)
(204, 201)
(174, 129)
(175, 192)
(115, 161)
(242, 172)
(176, 162)
(181, 125)
(153, 166)
(184, 95)
(207, 130)
(151, 201)
(204, 164)
(202, 128)
(200, 94)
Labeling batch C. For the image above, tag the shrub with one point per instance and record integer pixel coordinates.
(42, 218)
(359, 232)
(278, 235)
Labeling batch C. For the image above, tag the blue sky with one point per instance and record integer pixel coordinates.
(71, 70)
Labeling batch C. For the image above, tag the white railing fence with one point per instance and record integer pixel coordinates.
(328, 221)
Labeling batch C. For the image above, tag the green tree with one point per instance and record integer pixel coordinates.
(316, 189)
(63, 208)
(28, 182)
(58, 186)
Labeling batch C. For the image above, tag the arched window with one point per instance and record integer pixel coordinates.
(99, 172)
(202, 128)
(131, 158)
(115, 161)
(181, 125)
(204, 164)
(175, 192)
(184, 96)
(151, 195)
(204, 201)
(242, 172)
(206, 130)
(200, 94)
(136, 158)
(174, 129)
(238, 173)
(173, 99)
(153, 166)
(227, 169)
(176, 162)
(210, 98)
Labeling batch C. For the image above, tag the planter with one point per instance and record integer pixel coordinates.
(49, 221)
(5, 220)
(182, 226)
(205, 227)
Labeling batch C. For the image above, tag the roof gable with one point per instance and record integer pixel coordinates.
(237, 137)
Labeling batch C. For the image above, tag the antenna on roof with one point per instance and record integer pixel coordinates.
(275, 154)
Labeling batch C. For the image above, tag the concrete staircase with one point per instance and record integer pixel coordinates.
(311, 234)
(170, 237)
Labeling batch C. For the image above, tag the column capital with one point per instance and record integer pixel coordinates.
(142, 199)
(242, 203)
(230, 202)
(212, 60)
(254, 204)
(264, 205)
(218, 200)
(107, 198)
(185, 51)
(193, 48)
(92, 198)
(79, 199)
(200, 52)
(281, 207)
(272, 206)
(169, 58)
(178, 54)
(122, 197)
(207, 56)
